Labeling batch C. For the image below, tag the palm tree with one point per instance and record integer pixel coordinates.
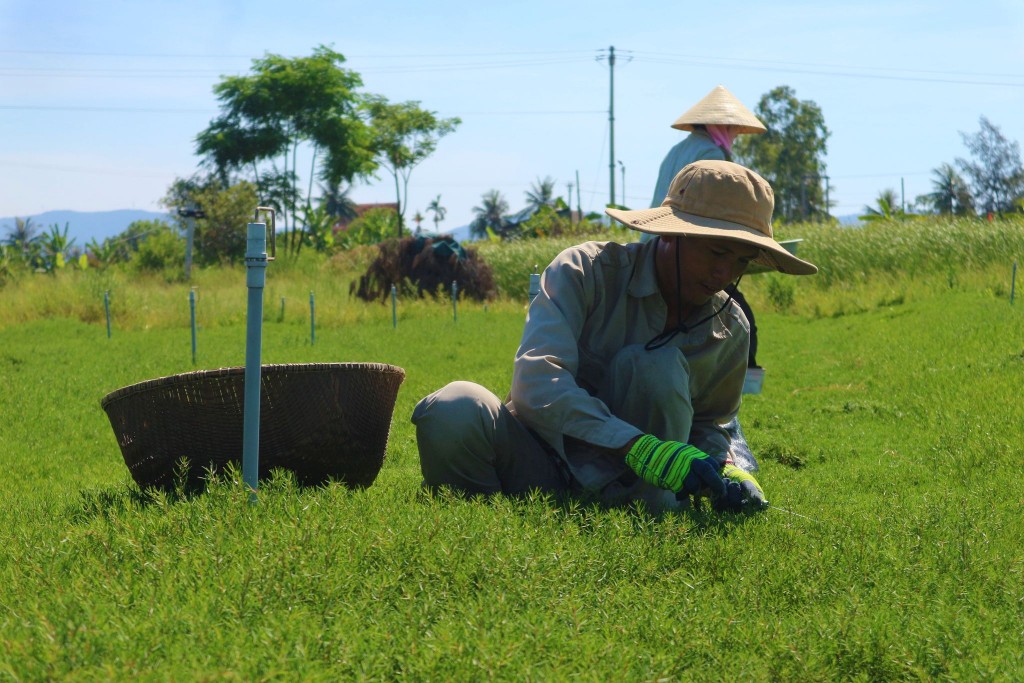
(489, 214)
(439, 211)
(24, 239)
(418, 219)
(22, 234)
(888, 207)
(951, 194)
(335, 200)
(541, 193)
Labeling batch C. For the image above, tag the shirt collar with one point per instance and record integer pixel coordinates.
(644, 281)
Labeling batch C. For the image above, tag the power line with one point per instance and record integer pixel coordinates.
(760, 61)
(828, 72)
(160, 110)
(156, 55)
(470, 61)
(142, 110)
(152, 74)
(467, 66)
(185, 55)
(148, 75)
(879, 175)
(81, 169)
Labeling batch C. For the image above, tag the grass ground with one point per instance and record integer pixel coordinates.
(890, 423)
(890, 428)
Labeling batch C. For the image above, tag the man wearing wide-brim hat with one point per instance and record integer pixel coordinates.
(632, 360)
(714, 123)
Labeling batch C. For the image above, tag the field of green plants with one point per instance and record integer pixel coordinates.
(890, 435)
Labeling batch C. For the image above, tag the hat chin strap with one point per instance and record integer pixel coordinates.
(665, 337)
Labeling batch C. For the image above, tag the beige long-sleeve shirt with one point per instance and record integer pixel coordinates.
(595, 299)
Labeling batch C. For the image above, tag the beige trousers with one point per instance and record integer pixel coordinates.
(469, 441)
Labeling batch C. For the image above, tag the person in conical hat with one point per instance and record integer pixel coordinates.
(714, 123)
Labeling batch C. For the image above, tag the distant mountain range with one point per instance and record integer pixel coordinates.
(85, 226)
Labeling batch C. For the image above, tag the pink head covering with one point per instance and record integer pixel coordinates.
(722, 135)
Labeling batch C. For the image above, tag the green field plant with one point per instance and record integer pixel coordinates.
(889, 435)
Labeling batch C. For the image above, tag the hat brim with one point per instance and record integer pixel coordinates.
(720, 107)
(741, 128)
(665, 220)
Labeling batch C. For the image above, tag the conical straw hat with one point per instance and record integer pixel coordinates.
(720, 107)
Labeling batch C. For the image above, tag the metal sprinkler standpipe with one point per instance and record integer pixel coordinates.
(256, 276)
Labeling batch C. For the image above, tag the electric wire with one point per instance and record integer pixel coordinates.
(467, 61)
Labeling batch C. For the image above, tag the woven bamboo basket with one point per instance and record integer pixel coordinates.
(322, 421)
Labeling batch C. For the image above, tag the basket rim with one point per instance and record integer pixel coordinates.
(267, 368)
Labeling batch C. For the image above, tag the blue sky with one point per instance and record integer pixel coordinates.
(100, 101)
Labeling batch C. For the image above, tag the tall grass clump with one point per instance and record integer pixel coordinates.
(145, 299)
(888, 263)
(859, 268)
(911, 248)
(513, 261)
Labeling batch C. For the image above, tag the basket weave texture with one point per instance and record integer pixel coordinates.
(322, 421)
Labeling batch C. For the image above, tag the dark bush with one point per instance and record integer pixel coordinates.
(425, 265)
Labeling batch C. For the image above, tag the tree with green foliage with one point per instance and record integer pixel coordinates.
(162, 248)
(105, 253)
(56, 248)
(887, 207)
(541, 193)
(282, 104)
(220, 234)
(950, 195)
(23, 239)
(996, 172)
(439, 212)
(374, 226)
(319, 228)
(7, 266)
(418, 219)
(791, 155)
(490, 214)
(334, 199)
(403, 136)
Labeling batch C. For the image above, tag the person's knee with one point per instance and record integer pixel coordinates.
(455, 404)
(450, 415)
(454, 426)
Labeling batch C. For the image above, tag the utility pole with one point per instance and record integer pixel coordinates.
(190, 213)
(805, 201)
(611, 121)
(827, 204)
(579, 204)
(611, 124)
(568, 202)
(623, 182)
(803, 196)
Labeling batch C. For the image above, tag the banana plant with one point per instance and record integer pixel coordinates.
(56, 248)
(319, 228)
(105, 253)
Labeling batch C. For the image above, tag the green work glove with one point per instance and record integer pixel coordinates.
(678, 467)
(751, 496)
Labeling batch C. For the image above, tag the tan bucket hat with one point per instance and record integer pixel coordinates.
(720, 107)
(722, 200)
